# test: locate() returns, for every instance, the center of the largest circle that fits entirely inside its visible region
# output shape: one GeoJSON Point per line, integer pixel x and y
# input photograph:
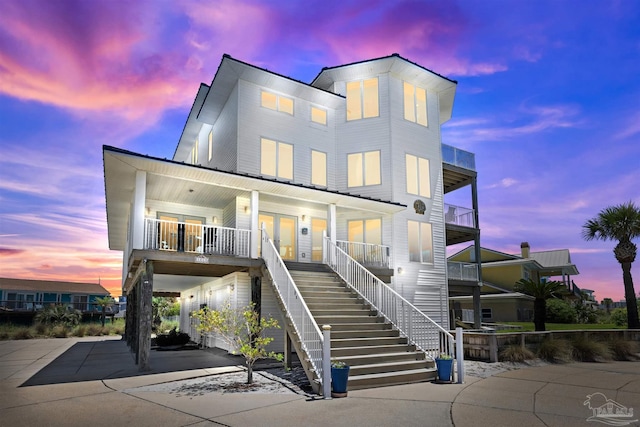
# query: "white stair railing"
{"type": "Point", "coordinates": [310, 336]}
{"type": "Point", "coordinates": [412, 323]}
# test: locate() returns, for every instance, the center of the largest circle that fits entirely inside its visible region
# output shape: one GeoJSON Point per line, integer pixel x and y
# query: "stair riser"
{"type": "Point", "coordinates": [367, 342]}
{"type": "Point", "coordinates": [366, 370]}
{"type": "Point", "coordinates": [361, 351]}
{"type": "Point", "coordinates": [358, 384]}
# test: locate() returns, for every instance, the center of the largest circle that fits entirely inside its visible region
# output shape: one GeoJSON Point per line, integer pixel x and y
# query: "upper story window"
{"type": "Point", "coordinates": [276, 159]}
{"type": "Point", "coordinates": [362, 99]}
{"type": "Point", "coordinates": [210, 145]}
{"type": "Point", "coordinates": [418, 177]}
{"type": "Point", "coordinates": [415, 104]}
{"type": "Point", "coordinates": [363, 169]}
{"type": "Point", "coordinates": [318, 168]}
{"type": "Point", "coordinates": [319, 115]}
{"type": "Point", "coordinates": [420, 242]}
{"type": "Point", "coordinates": [277, 102]}
{"type": "Point", "coordinates": [194, 152]}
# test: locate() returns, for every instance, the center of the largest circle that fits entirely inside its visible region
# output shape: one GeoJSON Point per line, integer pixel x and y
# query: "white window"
{"type": "Point", "coordinates": [420, 242]}
{"type": "Point", "coordinates": [194, 152]}
{"type": "Point", "coordinates": [318, 168]}
{"type": "Point", "coordinates": [363, 169]}
{"type": "Point", "coordinates": [276, 159]}
{"type": "Point", "coordinates": [365, 231]}
{"type": "Point", "coordinates": [418, 178]}
{"type": "Point", "coordinates": [362, 99]}
{"type": "Point", "coordinates": [277, 102]}
{"type": "Point", "coordinates": [210, 145]}
{"type": "Point", "coordinates": [319, 116]}
{"type": "Point", "coordinates": [415, 104]}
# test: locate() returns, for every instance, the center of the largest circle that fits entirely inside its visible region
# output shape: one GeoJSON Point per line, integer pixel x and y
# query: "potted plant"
{"type": "Point", "coordinates": [339, 378]}
{"type": "Point", "coordinates": [444, 364]}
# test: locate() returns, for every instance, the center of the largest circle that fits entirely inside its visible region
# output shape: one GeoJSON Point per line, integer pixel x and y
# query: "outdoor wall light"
{"type": "Point", "coordinates": [304, 218]}
{"type": "Point", "coordinates": [246, 209]}
{"type": "Point", "coordinates": [400, 270]}
{"type": "Point", "coordinates": [215, 219]}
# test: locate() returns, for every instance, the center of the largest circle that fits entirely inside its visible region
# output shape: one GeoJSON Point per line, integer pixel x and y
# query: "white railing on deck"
{"type": "Point", "coordinates": [412, 323]}
{"type": "Point", "coordinates": [459, 215]}
{"type": "Point", "coordinates": [366, 253]}
{"type": "Point", "coordinates": [462, 271]}
{"type": "Point", "coordinates": [309, 334]}
{"type": "Point", "coordinates": [196, 238]}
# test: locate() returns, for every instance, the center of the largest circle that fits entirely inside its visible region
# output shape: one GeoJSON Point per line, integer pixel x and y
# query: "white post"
{"type": "Point", "coordinates": [460, 355]}
{"type": "Point", "coordinates": [326, 361]}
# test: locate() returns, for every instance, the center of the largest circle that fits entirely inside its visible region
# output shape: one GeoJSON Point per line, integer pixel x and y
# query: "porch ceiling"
{"type": "Point", "coordinates": [455, 177]}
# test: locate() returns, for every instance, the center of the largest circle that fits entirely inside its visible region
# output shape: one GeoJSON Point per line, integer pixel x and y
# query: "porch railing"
{"type": "Point", "coordinates": [464, 271]}
{"type": "Point", "coordinates": [305, 326]}
{"type": "Point", "coordinates": [457, 157]}
{"type": "Point", "coordinates": [367, 254]}
{"type": "Point", "coordinates": [196, 238]}
{"type": "Point", "coordinates": [459, 216]}
{"type": "Point", "coordinates": [419, 328]}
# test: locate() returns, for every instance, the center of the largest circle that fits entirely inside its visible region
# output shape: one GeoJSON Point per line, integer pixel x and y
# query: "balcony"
{"type": "Point", "coordinates": [459, 215]}
{"type": "Point", "coordinates": [187, 237]}
{"type": "Point", "coordinates": [462, 271]}
{"type": "Point", "coordinates": [457, 157]}
{"type": "Point", "coordinates": [367, 254]}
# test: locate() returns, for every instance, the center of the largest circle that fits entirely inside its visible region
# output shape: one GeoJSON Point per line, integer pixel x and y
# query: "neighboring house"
{"type": "Point", "coordinates": [501, 271]}
{"type": "Point", "coordinates": [23, 295]}
{"type": "Point", "coordinates": [351, 162]}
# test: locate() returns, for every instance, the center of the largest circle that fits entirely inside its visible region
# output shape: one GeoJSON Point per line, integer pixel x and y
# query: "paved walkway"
{"type": "Point", "coordinates": [96, 383]}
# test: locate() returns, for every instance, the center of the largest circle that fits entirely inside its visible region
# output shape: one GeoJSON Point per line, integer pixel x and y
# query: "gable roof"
{"type": "Point", "coordinates": [51, 286]}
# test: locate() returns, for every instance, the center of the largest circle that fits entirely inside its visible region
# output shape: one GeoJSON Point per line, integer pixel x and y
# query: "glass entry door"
{"type": "Point", "coordinates": [282, 230]}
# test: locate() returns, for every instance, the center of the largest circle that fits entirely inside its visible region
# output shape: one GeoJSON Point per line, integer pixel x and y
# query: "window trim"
{"type": "Point", "coordinates": [278, 102]}
{"type": "Point", "coordinates": [277, 163]}
{"type": "Point", "coordinates": [362, 167]}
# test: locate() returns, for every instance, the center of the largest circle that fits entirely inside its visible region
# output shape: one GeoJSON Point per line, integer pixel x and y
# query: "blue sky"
{"type": "Point", "coordinates": [548, 99]}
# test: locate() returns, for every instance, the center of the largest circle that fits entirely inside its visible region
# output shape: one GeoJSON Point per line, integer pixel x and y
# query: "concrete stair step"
{"type": "Point", "coordinates": [331, 320]}
{"type": "Point", "coordinates": [369, 350]}
{"type": "Point", "coordinates": [350, 327]}
{"type": "Point", "coordinates": [320, 288]}
{"type": "Point", "coordinates": [376, 333]}
{"type": "Point", "coordinates": [344, 311]}
{"type": "Point", "coordinates": [378, 368]}
{"type": "Point", "coordinates": [366, 342]}
{"type": "Point", "coordinates": [372, 359]}
{"type": "Point", "coordinates": [391, 378]}
{"type": "Point", "coordinates": [327, 294]}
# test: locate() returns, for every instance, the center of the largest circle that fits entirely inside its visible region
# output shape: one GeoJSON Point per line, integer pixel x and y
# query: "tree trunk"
{"type": "Point", "coordinates": [539, 313]}
{"type": "Point", "coordinates": [630, 296]}
{"type": "Point", "coordinates": [249, 374]}
{"type": "Point", "coordinates": [103, 315]}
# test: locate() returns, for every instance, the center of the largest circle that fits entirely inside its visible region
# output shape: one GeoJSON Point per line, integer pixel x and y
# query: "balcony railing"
{"type": "Point", "coordinates": [196, 238]}
{"type": "Point", "coordinates": [367, 254]}
{"type": "Point", "coordinates": [459, 216]}
{"type": "Point", "coordinates": [462, 271]}
{"type": "Point", "coordinates": [457, 157]}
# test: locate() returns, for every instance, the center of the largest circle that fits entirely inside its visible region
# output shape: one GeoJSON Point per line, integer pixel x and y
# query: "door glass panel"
{"type": "Point", "coordinates": [193, 235]}
{"type": "Point", "coordinates": [168, 232]}
{"type": "Point", "coordinates": [268, 221]}
{"type": "Point", "coordinates": [287, 238]}
{"type": "Point", "coordinates": [318, 226]}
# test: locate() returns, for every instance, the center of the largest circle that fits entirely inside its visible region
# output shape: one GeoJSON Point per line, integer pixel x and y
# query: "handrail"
{"type": "Point", "coordinates": [412, 323]}
{"type": "Point", "coordinates": [197, 238]}
{"type": "Point", "coordinates": [367, 253]}
{"type": "Point", "coordinates": [308, 331]}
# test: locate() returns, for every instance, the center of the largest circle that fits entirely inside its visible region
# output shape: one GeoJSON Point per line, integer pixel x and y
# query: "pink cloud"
{"type": "Point", "coordinates": [10, 252]}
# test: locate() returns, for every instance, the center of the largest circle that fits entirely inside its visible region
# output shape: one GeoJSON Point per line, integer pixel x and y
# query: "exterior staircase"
{"type": "Point", "coordinates": [376, 353]}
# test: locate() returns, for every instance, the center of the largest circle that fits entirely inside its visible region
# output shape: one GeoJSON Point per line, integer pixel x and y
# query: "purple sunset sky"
{"type": "Point", "coordinates": [548, 99]}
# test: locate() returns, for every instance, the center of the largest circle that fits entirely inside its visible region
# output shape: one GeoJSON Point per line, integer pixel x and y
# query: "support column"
{"type": "Point", "coordinates": [331, 222]}
{"type": "Point", "coordinates": [477, 306]}
{"type": "Point", "coordinates": [145, 317]}
{"type": "Point", "coordinates": [288, 350]}
{"type": "Point", "coordinates": [137, 211]}
{"type": "Point", "coordinates": [255, 227]}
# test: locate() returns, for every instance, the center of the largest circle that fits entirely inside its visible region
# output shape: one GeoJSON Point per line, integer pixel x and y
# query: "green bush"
{"type": "Point", "coordinates": [586, 350]}
{"type": "Point", "coordinates": [166, 326]}
{"type": "Point", "coordinates": [554, 350]}
{"type": "Point", "coordinates": [59, 331]}
{"type": "Point", "coordinates": [516, 353]}
{"type": "Point", "coordinates": [560, 311]}
{"type": "Point", "coordinates": [22, 334]}
{"type": "Point", "coordinates": [58, 315]}
{"type": "Point", "coordinates": [619, 316]}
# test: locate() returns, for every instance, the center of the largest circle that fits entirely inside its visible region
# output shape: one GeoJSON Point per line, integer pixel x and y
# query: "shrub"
{"type": "Point", "coordinates": [172, 338]}
{"type": "Point", "coordinates": [58, 315]}
{"type": "Point", "coordinates": [22, 334]}
{"type": "Point", "coordinates": [586, 350]}
{"type": "Point", "coordinates": [516, 353]}
{"type": "Point", "coordinates": [553, 350]}
{"type": "Point", "coordinates": [619, 316]}
{"type": "Point", "coordinates": [623, 350]}
{"type": "Point", "coordinates": [79, 331]}
{"type": "Point", "coordinates": [560, 311]}
{"type": "Point", "coordinates": [59, 331]}
{"type": "Point", "coordinates": [41, 328]}
{"type": "Point", "coordinates": [166, 326]}
{"type": "Point", "coordinates": [94, 330]}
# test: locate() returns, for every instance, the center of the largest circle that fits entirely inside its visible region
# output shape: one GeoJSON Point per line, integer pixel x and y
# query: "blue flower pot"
{"type": "Point", "coordinates": [445, 369]}
{"type": "Point", "coordinates": [339, 379]}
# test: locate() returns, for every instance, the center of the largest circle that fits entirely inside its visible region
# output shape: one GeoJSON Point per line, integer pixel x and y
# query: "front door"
{"type": "Point", "coordinates": [282, 230]}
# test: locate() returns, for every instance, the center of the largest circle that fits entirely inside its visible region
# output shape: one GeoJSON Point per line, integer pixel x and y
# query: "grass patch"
{"type": "Point", "coordinates": [59, 331]}
{"type": "Point", "coordinates": [554, 350]}
{"type": "Point", "coordinates": [42, 330]}
{"type": "Point", "coordinates": [22, 334]}
{"type": "Point", "coordinates": [516, 353]}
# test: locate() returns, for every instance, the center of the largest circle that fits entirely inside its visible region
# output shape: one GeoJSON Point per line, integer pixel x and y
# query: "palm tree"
{"type": "Point", "coordinates": [620, 223]}
{"type": "Point", "coordinates": [541, 291]}
{"type": "Point", "coordinates": [607, 302]}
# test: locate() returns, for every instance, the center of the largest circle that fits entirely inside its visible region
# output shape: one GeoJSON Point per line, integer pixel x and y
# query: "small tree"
{"type": "Point", "coordinates": [241, 328]}
{"type": "Point", "coordinates": [541, 291]}
{"type": "Point", "coordinates": [608, 303]}
{"type": "Point", "coordinates": [103, 303]}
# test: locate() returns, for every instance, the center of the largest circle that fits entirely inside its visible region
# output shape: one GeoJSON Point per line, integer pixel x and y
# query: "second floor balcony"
{"type": "Point", "coordinates": [462, 271]}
